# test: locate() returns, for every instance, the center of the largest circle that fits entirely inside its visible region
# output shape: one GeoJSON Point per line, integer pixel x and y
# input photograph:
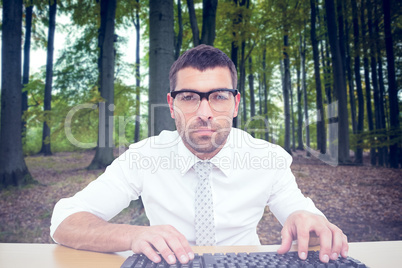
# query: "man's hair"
{"type": "Point", "coordinates": [202, 57]}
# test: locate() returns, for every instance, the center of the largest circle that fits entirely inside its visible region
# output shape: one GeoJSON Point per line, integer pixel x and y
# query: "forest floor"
{"type": "Point", "coordinates": [364, 201]}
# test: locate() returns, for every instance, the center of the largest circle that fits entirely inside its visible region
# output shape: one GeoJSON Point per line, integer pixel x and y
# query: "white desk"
{"type": "Point", "coordinates": [373, 254]}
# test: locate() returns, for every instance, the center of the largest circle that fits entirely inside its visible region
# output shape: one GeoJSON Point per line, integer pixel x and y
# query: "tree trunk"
{"type": "Point", "coordinates": [264, 82]}
{"type": "Point", "coordinates": [331, 111]}
{"type": "Point", "coordinates": [299, 108]}
{"type": "Point", "coordinates": [235, 48]}
{"type": "Point", "coordinates": [193, 22]}
{"type": "Point", "coordinates": [161, 57]}
{"type": "Point", "coordinates": [368, 88]}
{"type": "Point", "coordinates": [233, 55]}
{"type": "Point", "coordinates": [304, 88]}
{"type": "Point", "coordinates": [321, 137]}
{"type": "Point", "coordinates": [376, 93]}
{"type": "Point", "coordinates": [104, 151]}
{"type": "Point", "coordinates": [179, 38]}
{"type": "Point", "coordinates": [332, 134]}
{"type": "Point", "coordinates": [46, 150]}
{"type": "Point", "coordinates": [392, 86]}
{"type": "Point", "coordinates": [25, 75]}
{"type": "Point", "coordinates": [138, 76]}
{"type": "Point", "coordinates": [382, 90]}
{"type": "Point", "coordinates": [339, 85]}
{"type": "Point", "coordinates": [360, 98]}
{"type": "Point", "coordinates": [292, 115]}
{"type": "Point", "coordinates": [208, 23]}
{"type": "Point", "coordinates": [285, 87]}
{"type": "Point", "coordinates": [242, 80]}
{"type": "Point", "coordinates": [261, 124]}
{"type": "Point", "coordinates": [260, 94]}
{"type": "Point", "coordinates": [251, 86]}
{"type": "Point", "coordinates": [13, 170]}
{"type": "Point", "coordinates": [348, 64]}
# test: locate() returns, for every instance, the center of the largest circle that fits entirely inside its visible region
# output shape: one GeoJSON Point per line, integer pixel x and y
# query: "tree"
{"type": "Point", "coordinates": [339, 84]}
{"type": "Point", "coordinates": [392, 86]}
{"type": "Point", "coordinates": [46, 150]}
{"type": "Point", "coordinates": [302, 48]}
{"type": "Point", "coordinates": [251, 87]}
{"type": "Point", "coordinates": [161, 57]}
{"type": "Point", "coordinates": [25, 75]}
{"type": "Point", "coordinates": [13, 170]}
{"type": "Point", "coordinates": [236, 24]}
{"type": "Point", "coordinates": [104, 150]}
{"type": "Point", "coordinates": [208, 22]}
{"type": "Point", "coordinates": [286, 89]}
{"type": "Point", "coordinates": [299, 105]}
{"type": "Point", "coordinates": [264, 83]}
{"type": "Point", "coordinates": [348, 68]}
{"type": "Point", "coordinates": [376, 93]}
{"type": "Point", "coordinates": [179, 37]}
{"type": "Point", "coordinates": [321, 137]}
{"type": "Point", "coordinates": [359, 90]}
{"type": "Point", "coordinates": [367, 81]}
{"type": "Point", "coordinates": [137, 75]}
{"type": "Point", "coordinates": [379, 45]}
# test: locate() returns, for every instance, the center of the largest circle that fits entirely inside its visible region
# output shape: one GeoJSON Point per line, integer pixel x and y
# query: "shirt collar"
{"type": "Point", "coordinates": [223, 160]}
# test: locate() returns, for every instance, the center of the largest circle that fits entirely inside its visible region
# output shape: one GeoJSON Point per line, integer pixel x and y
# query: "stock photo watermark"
{"type": "Point", "coordinates": [185, 128]}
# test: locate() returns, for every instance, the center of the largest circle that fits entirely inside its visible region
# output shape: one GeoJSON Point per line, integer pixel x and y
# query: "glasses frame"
{"type": "Point", "coordinates": [203, 95]}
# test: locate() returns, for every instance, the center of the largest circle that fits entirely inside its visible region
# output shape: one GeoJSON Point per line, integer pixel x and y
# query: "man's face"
{"type": "Point", "coordinates": [203, 131]}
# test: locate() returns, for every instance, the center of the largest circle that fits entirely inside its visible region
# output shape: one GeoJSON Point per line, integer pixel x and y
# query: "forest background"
{"type": "Point", "coordinates": [320, 78]}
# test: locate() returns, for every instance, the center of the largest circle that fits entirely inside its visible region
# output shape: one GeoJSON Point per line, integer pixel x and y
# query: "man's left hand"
{"type": "Point", "coordinates": [300, 224]}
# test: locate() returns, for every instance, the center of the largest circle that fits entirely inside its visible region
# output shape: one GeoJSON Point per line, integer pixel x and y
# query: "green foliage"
{"type": "Point", "coordinates": [84, 122]}
{"type": "Point", "coordinates": [376, 138]}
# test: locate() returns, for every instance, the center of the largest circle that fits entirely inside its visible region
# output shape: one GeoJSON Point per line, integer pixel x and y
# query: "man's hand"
{"type": "Point", "coordinates": [83, 230]}
{"type": "Point", "coordinates": [164, 239]}
{"type": "Point", "coordinates": [300, 224]}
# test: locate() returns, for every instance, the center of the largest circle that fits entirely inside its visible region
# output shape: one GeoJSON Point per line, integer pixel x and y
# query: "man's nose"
{"type": "Point", "coordinates": [204, 110]}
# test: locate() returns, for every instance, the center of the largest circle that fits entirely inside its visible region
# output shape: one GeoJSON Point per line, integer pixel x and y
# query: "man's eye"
{"type": "Point", "coordinates": [187, 97]}
{"type": "Point", "coordinates": [220, 96]}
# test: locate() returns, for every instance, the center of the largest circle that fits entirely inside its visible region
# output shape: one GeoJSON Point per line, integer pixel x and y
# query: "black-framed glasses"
{"type": "Point", "coordinates": [220, 100]}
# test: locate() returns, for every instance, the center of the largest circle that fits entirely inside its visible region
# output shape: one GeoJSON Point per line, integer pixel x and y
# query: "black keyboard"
{"type": "Point", "coordinates": [246, 260]}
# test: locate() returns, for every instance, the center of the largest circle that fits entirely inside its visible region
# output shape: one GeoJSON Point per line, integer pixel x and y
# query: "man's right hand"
{"type": "Point", "coordinates": [83, 230]}
{"type": "Point", "coordinates": [166, 240]}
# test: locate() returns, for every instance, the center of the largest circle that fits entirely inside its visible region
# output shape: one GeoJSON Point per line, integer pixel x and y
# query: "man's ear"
{"type": "Point", "coordinates": [237, 102]}
{"type": "Point", "coordinates": [170, 102]}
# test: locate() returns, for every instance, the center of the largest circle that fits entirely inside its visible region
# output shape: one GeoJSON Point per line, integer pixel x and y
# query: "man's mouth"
{"type": "Point", "coordinates": [203, 131]}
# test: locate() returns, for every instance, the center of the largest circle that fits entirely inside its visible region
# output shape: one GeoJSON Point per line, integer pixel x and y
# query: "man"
{"type": "Point", "coordinates": [239, 176]}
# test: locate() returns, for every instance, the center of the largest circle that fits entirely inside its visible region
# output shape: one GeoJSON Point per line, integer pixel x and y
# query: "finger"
{"type": "Point", "coordinates": [303, 236]}
{"type": "Point", "coordinates": [186, 246]}
{"type": "Point", "coordinates": [160, 245]}
{"type": "Point", "coordinates": [345, 246]}
{"type": "Point", "coordinates": [325, 235]}
{"type": "Point", "coordinates": [337, 243]}
{"type": "Point", "coordinates": [178, 249]}
{"type": "Point", "coordinates": [148, 251]}
{"type": "Point", "coordinates": [287, 240]}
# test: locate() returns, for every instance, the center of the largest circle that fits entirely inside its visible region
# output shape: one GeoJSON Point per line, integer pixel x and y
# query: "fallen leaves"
{"type": "Point", "coordinates": [364, 201]}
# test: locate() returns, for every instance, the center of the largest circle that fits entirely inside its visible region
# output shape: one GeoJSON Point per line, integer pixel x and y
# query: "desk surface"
{"type": "Point", "coordinates": [373, 254]}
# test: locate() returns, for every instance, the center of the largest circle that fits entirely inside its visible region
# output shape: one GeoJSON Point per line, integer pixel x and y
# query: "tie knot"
{"type": "Point", "coordinates": [203, 169]}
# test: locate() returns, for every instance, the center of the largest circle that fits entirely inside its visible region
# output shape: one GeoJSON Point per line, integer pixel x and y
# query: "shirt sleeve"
{"type": "Point", "coordinates": [286, 196]}
{"type": "Point", "coordinates": [104, 197]}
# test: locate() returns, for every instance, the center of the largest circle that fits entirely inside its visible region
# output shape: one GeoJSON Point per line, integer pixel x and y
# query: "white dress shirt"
{"type": "Point", "coordinates": [248, 174]}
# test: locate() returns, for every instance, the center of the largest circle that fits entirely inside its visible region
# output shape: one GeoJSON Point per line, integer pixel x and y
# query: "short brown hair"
{"type": "Point", "coordinates": [202, 57]}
